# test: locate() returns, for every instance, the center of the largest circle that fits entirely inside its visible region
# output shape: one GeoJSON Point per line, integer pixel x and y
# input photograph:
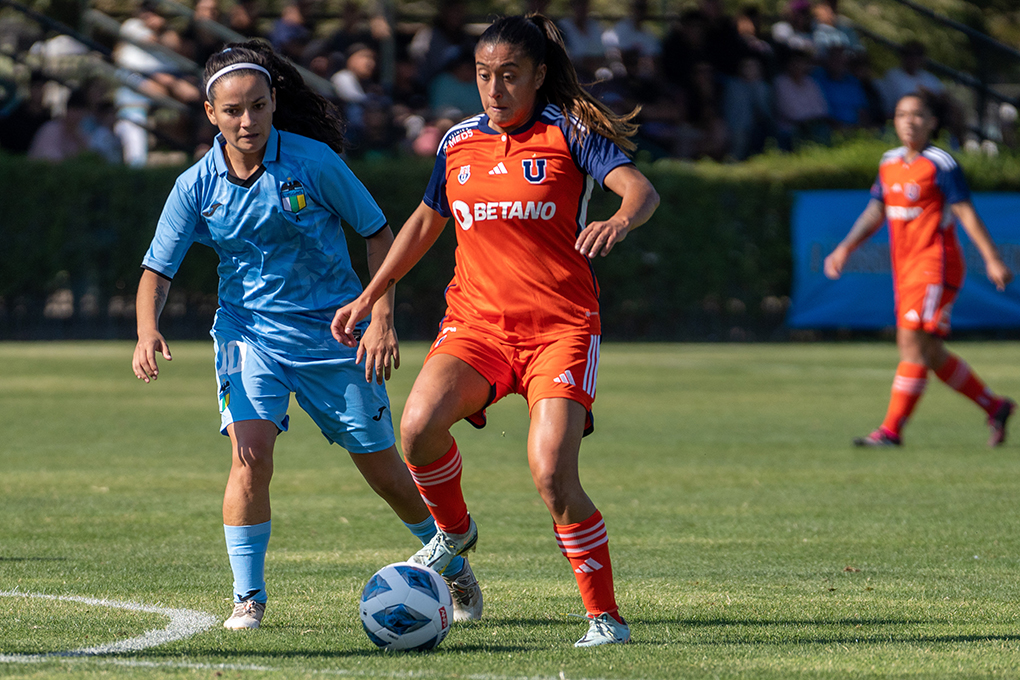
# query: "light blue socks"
{"type": "Point", "coordinates": [246, 547]}
{"type": "Point", "coordinates": [425, 530]}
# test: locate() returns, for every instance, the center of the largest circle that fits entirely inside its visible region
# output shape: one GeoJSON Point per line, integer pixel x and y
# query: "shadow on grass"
{"type": "Point", "coordinates": [256, 658]}
{"type": "Point", "coordinates": [32, 559]}
{"type": "Point", "coordinates": [846, 631]}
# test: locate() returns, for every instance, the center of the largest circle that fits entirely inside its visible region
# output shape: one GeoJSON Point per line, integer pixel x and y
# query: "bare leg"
{"type": "Point", "coordinates": [246, 499]}
{"type": "Point", "coordinates": [554, 443]}
{"type": "Point", "coordinates": [386, 473]}
{"type": "Point", "coordinates": [446, 390]}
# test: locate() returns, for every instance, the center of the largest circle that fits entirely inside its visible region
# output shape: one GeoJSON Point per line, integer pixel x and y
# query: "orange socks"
{"type": "Point", "coordinates": [586, 547]}
{"type": "Point", "coordinates": [439, 486]}
{"type": "Point", "coordinates": [907, 389]}
{"type": "Point", "coordinates": [957, 374]}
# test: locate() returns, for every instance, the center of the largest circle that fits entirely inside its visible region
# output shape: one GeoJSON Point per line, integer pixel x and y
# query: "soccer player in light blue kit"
{"type": "Point", "coordinates": [269, 198]}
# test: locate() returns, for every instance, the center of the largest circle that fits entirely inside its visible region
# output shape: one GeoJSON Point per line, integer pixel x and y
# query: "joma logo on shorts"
{"type": "Point", "coordinates": [501, 210]}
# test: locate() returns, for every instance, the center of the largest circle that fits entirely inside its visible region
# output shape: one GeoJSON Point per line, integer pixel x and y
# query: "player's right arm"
{"type": "Point", "coordinates": [152, 293]}
{"type": "Point", "coordinates": [412, 242]}
{"type": "Point", "coordinates": [867, 224]}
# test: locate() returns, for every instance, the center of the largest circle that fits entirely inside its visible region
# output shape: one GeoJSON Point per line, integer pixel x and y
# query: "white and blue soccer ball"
{"type": "Point", "coordinates": [406, 606]}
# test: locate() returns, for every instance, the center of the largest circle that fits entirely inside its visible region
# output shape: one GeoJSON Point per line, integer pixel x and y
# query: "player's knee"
{"type": "Point", "coordinates": [556, 490]}
{"type": "Point", "coordinates": [417, 428]}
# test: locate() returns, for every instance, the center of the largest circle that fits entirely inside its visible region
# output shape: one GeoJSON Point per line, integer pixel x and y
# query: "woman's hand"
{"type": "Point", "coordinates": [345, 320]}
{"type": "Point", "coordinates": [380, 350]}
{"type": "Point", "coordinates": [835, 262]}
{"type": "Point", "coordinates": [998, 273]}
{"type": "Point", "coordinates": [143, 362]}
{"type": "Point", "coordinates": [598, 238]}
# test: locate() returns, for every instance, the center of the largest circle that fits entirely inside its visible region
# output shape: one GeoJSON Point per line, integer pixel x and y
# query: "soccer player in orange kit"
{"type": "Point", "coordinates": [920, 190]}
{"type": "Point", "coordinates": [522, 309]}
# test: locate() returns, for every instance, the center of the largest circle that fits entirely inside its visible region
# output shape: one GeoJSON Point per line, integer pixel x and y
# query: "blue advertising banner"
{"type": "Point", "coordinates": [863, 297]}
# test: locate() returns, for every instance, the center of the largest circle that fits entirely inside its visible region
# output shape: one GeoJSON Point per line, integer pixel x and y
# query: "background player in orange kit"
{"type": "Point", "coordinates": [522, 309]}
{"type": "Point", "coordinates": [919, 190]}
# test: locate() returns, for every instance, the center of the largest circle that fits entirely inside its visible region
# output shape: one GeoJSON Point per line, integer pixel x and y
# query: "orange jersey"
{"type": "Point", "coordinates": [922, 234]}
{"type": "Point", "coordinates": [519, 200]}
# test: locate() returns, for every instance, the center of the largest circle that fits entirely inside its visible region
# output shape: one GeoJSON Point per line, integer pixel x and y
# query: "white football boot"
{"type": "Point", "coordinates": [467, 595]}
{"type": "Point", "coordinates": [440, 551]}
{"type": "Point", "coordinates": [604, 630]}
{"type": "Point", "coordinates": [247, 615]}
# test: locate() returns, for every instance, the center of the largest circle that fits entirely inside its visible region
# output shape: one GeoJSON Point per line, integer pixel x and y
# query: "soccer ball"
{"type": "Point", "coordinates": [406, 606]}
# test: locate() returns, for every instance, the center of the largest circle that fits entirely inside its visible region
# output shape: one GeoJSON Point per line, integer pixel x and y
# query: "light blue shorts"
{"type": "Point", "coordinates": [255, 384]}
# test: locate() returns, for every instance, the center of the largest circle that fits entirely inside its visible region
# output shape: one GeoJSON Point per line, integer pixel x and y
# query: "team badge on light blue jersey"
{"type": "Point", "coordinates": [292, 195]}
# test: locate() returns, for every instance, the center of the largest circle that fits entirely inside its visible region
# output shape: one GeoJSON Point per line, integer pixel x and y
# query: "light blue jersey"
{"type": "Point", "coordinates": [284, 266]}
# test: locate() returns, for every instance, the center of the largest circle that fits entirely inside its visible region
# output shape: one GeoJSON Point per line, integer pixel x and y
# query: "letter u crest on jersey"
{"type": "Point", "coordinates": [465, 174]}
{"type": "Point", "coordinates": [912, 191]}
{"type": "Point", "coordinates": [534, 170]}
{"type": "Point", "coordinates": [292, 196]}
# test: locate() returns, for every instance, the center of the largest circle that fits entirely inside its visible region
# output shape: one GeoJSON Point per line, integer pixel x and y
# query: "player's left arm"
{"type": "Point", "coordinates": [639, 202]}
{"type": "Point", "coordinates": [998, 272]}
{"type": "Point", "coordinates": [379, 346]}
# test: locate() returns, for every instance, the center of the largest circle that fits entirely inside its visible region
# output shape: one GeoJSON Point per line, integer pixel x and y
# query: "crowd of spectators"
{"type": "Point", "coordinates": [709, 84]}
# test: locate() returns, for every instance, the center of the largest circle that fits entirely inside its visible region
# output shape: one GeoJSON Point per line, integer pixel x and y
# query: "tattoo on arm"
{"type": "Point", "coordinates": [159, 297]}
{"type": "Point", "coordinates": [391, 283]}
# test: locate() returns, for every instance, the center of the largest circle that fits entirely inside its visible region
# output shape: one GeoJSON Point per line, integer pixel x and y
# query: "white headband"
{"type": "Point", "coordinates": [228, 69]}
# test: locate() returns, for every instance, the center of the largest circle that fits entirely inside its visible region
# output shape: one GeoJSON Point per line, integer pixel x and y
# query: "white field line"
{"type": "Point", "coordinates": [340, 672]}
{"type": "Point", "coordinates": [183, 624]}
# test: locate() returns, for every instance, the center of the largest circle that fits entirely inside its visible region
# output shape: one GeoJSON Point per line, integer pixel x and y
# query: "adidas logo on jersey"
{"type": "Point", "coordinates": [566, 378]}
{"type": "Point", "coordinates": [588, 566]}
{"type": "Point", "coordinates": [500, 169]}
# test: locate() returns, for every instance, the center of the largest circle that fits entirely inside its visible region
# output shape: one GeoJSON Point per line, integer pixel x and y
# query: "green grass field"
{"type": "Point", "coordinates": [749, 538]}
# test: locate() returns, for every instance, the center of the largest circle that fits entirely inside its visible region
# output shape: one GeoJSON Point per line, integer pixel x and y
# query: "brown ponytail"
{"type": "Point", "coordinates": [540, 39]}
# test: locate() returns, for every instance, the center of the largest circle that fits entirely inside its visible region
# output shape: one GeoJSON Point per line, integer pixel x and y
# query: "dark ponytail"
{"type": "Point", "coordinates": [540, 39]}
{"type": "Point", "coordinates": [299, 109]}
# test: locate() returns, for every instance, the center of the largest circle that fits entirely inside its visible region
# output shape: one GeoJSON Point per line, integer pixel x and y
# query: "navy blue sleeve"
{"type": "Point", "coordinates": [952, 184]}
{"type": "Point", "coordinates": [876, 190]}
{"type": "Point", "coordinates": [435, 192]}
{"type": "Point", "coordinates": [594, 154]}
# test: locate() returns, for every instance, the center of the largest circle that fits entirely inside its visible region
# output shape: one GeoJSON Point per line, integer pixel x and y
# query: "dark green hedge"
{"type": "Point", "coordinates": [714, 261]}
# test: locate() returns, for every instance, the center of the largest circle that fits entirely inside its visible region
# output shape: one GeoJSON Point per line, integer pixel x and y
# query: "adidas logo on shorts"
{"type": "Point", "coordinates": [566, 377]}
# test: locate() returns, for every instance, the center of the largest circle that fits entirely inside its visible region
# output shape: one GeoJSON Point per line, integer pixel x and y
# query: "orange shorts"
{"type": "Point", "coordinates": [566, 367]}
{"type": "Point", "coordinates": [925, 306]}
